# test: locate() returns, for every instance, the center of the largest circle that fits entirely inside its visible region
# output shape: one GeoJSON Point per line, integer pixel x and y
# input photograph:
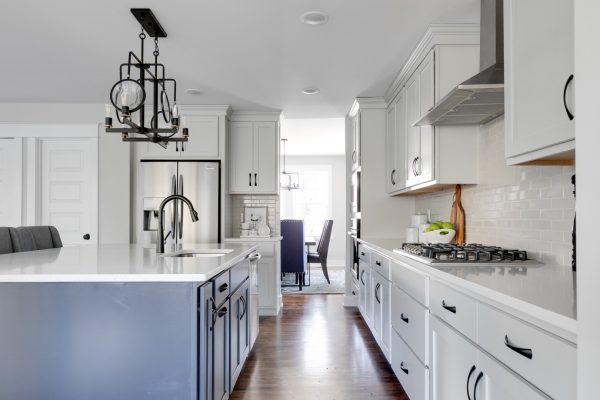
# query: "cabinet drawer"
{"type": "Point", "coordinates": [363, 253]}
{"type": "Point", "coordinates": [238, 274]}
{"type": "Point", "coordinates": [221, 288]}
{"type": "Point", "coordinates": [411, 281]}
{"type": "Point", "coordinates": [457, 309]}
{"type": "Point", "coordinates": [552, 365]}
{"type": "Point", "coordinates": [354, 289]}
{"type": "Point", "coordinates": [381, 264]}
{"type": "Point", "coordinates": [411, 320]}
{"type": "Point", "coordinates": [413, 375]}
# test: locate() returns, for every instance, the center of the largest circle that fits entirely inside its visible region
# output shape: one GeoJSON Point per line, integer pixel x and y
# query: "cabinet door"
{"type": "Point", "coordinates": [362, 291]}
{"type": "Point", "coordinates": [369, 297]}
{"type": "Point", "coordinates": [376, 301]}
{"type": "Point", "coordinates": [253, 303]}
{"type": "Point", "coordinates": [220, 361]}
{"type": "Point", "coordinates": [425, 164]}
{"type": "Point", "coordinates": [499, 383]}
{"type": "Point", "coordinates": [235, 356]}
{"type": "Point", "coordinates": [69, 188]}
{"type": "Point", "coordinates": [266, 144]}
{"type": "Point", "coordinates": [204, 137]}
{"type": "Point", "coordinates": [413, 147]}
{"type": "Point", "coordinates": [391, 176]}
{"type": "Point", "coordinates": [355, 156]}
{"type": "Point", "coordinates": [453, 360]}
{"type": "Point", "coordinates": [539, 62]}
{"type": "Point", "coordinates": [10, 181]}
{"type": "Point", "coordinates": [244, 321]}
{"type": "Point", "coordinates": [400, 140]}
{"type": "Point", "coordinates": [240, 157]}
{"type": "Point", "coordinates": [386, 323]}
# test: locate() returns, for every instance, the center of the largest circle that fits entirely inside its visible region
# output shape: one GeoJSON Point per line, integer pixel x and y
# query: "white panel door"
{"type": "Point", "coordinates": [539, 61]}
{"type": "Point", "coordinates": [425, 164]}
{"type": "Point", "coordinates": [452, 365]}
{"type": "Point", "coordinates": [265, 174]}
{"type": "Point", "coordinates": [413, 147]}
{"type": "Point", "coordinates": [10, 181]}
{"type": "Point", "coordinates": [204, 137]}
{"type": "Point", "coordinates": [400, 140]}
{"type": "Point", "coordinates": [391, 175]}
{"type": "Point", "coordinates": [69, 188]}
{"type": "Point", "coordinates": [241, 155]}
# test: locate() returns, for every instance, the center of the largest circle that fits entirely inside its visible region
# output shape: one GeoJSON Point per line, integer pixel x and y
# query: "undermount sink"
{"type": "Point", "coordinates": [200, 253]}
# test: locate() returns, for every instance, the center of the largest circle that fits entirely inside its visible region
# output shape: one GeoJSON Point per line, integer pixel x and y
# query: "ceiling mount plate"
{"type": "Point", "coordinates": [146, 18]}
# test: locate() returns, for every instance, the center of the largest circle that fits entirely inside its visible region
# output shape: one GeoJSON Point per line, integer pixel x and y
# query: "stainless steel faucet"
{"type": "Point", "coordinates": [160, 243]}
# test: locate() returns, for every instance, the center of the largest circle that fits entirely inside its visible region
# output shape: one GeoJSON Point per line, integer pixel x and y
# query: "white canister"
{"type": "Point", "coordinates": [422, 238]}
{"type": "Point", "coordinates": [418, 219]}
{"type": "Point", "coordinates": [412, 235]}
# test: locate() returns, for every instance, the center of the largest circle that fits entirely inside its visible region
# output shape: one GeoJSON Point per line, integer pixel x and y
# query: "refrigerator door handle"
{"type": "Point", "coordinates": [180, 216]}
{"type": "Point", "coordinates": [174, 206]}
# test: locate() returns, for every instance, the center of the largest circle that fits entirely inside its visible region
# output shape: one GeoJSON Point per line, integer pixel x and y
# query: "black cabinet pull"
{"type": "Point", "coordinates": [376, 291]}
{"type": "Point", "coordinates": [452, 309]}
{"type": "Point", "coordinates": [569, 113]}
{"type": "Point", "coordinates": [477, 383]}
{"type": "Point", "coordinates": [213, 309]}
{"type": "Point", "coordinates": [404, 318]}
{"type": "Point", "coordinates": [255, 179]}
{"type": "Point", "coordinates": [392, 177]}
{"type": "Point", "coordinates": [528, 353]}
{"type": "Point", "coordinates": [404, 369]}
{"type": "Point", "coordinates": [86, 236]}
{"type": "Point", "coordinates": [414, 171]}
{"type": "Point", "coordinates": [245, 307]}
{"type": "Point", "coordinates": [223, 287]}
{"type": "Point", "coordinates": [222, 312]}
{"type": "Point", "coordinates": [353, 293]}
{"type": "Point", "coordinates": [468, 380]}
{"type": "Point", "coordinates": [418, 166]}
{"type": "Point", "coordinates": [362, 277]}
{"type": "Point", "coordinates": [249, 177]}
{"type": "Point", "coordinates": [378, 263]}
{"type": "Point", "coordinates": [362, 253]}
{"type": "Point", "coordinates": [354, 157]}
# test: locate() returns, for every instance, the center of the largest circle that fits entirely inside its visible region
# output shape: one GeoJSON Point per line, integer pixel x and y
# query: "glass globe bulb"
{"type": "Point", "coordinates": [129, 94]}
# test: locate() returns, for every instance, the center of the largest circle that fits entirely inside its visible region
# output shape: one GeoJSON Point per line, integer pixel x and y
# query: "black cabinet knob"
{"type": "Point", "coordinates": [86, 236]}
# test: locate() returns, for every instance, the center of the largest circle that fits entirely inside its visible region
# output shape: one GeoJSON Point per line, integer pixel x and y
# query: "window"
{"type": "Point", "coordinates": [313, 201]}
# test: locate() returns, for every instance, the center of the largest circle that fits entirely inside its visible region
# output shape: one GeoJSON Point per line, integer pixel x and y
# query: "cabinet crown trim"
{"type": "Point", "coordinates": [247, 116]}
{"type": "Point", "coordinates": [366, 103]}
{"type": "Point", "coordinates": [436, 34]}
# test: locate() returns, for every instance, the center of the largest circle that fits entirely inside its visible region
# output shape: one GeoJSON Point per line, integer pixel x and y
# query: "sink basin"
{"type": "Point", "coordinates": [200, 253]}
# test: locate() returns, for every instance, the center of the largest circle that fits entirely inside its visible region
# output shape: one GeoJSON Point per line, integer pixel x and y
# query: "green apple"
{"type": "Point", "coordinates": [447, 225]}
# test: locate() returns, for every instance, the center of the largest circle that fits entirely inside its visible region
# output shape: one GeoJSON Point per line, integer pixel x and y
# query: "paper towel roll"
{"type": "Point", "coordinates": [422, 238]}
{"type": "Point", "coordinates": [412, 235]}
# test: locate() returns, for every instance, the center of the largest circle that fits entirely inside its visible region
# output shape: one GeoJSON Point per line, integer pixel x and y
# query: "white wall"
{"type": "Point", "coordinates": [314, 136]}
{"type": "Point", "coordinates": [113, 159]}
{"type": "Point", "coordinates": [525, 207]}
{"type": "Point", "coordinates": [587, 121]}
{"type": "Point", "coordinates": [337, 246]}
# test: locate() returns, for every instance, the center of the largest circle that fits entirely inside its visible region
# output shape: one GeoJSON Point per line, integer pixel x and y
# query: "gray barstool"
{"type": "Point", "coordinates": [8, 239]}
{"type": "Point", "coordinates": [31, 238]}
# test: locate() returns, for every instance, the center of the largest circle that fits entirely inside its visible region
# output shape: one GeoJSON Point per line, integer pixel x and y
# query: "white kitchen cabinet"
{"type": "Point", "coordinates": [380, 322]}
{"type": "Point", "coordinates": [395, 143]}
{"type": "Point", "coordinates": [254, 157]}
{"type": "Point", "coordinates": [356, 137]}
{"type": "Point", "coordinates": [204, 140]}
{"type": "Point", "coordinates": [11, 181]}
{"type": "Point", "coordinates": [376, 300]}
{"type": "Point", "coordinates": [390, 149]}
{"type": "Point", "coordinates": [453, 363]}
{"type": "Point", "coordinates": [539, 62]}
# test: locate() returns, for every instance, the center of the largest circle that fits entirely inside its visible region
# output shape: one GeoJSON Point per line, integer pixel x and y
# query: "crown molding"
{"type": "Point", "coordinates": [253, 116]}
{"type": "Point", "coordinates": [365, 103]}
{"type": "Point", "coordinates": [436, 35]}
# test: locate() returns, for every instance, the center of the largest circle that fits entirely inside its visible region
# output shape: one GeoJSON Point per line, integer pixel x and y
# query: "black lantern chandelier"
{"type": "Point", "coordinates": [128, 96]}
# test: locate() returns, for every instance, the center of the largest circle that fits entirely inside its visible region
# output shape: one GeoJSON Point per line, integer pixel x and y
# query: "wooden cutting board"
{"type": "Point", "coordinates": [457, 217]}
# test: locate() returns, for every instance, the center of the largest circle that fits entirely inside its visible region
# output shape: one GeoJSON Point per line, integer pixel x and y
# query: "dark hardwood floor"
{"type": "Point", "coordinates": [316, 349]}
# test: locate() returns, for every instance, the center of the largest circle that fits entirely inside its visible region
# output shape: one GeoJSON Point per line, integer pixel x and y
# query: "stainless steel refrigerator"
{"type": "Point", "coordinates": [199, 181]}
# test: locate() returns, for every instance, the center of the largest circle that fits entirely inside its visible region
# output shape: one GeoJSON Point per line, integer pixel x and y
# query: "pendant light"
{"type": "Point", "coordinates": [289, 180]}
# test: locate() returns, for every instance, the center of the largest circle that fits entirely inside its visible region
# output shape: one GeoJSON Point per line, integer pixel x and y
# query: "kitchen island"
{"type": "Point", "coordinates": [121, 322]}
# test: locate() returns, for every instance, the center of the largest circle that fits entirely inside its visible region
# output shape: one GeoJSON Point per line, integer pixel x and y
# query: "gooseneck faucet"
{"type": "Point", "coordinates": [160, 243]}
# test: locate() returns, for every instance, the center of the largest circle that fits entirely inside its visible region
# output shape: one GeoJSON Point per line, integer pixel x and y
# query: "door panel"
{"type": "Point", "coordinates": [204, 137]}
{"type": "Point", "coordinates": [221, 354]}
{"type": "Point", "coordinates": [427, 99]}
{"type": "Point", "coordinates": [391, 176]}
{"type": "Point", "coordinates": [199, 182]}
{"type": "Point", "coordinates": [412, 132]}
{"type": "Point", "coordinates": [241, 153]}
{"type": "Point", "coordinates": [69, 188]}
{"type": "Point", "coordinates": [400, 140]}
{"type": "Point", "coordinates": [11, 179]}
{"type": "Point", "coordinates": [265, 174]}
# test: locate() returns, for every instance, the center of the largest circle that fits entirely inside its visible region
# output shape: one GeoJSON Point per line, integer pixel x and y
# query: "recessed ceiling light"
{"type": "Point", "coordinates": [193, 91]}
{"type": "Point", "coordinates": [310, 91]}
{"type": "Point", "coordinates": [314, 18]}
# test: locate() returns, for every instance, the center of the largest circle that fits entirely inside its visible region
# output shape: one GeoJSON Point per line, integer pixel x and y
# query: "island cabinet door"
{"type": "Point", "coordinates": [239, 332]}
{"type": "Point", "coordinates": [220, 359]}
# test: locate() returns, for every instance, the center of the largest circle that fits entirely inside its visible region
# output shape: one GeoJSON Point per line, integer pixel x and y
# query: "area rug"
{"type": "Point", "coordinates": [318, 283]}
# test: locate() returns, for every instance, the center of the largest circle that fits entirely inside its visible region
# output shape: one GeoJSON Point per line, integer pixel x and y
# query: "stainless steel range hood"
{"type": "Point", "coordinates": [479, 99]}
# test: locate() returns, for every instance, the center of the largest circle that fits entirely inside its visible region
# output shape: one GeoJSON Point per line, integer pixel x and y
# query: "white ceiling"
{"type": "Point", "coordinates": [254, 55]}
{"type": "Point", "coordinates": [314, 136]}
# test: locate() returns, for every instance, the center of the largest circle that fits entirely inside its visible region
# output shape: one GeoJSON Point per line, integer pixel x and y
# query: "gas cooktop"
{"type": "Point", "coordinates": [463, 254]}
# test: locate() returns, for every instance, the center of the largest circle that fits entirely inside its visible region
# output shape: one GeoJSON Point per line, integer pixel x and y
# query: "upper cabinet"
{"type": "Point", "coordinates": [425, 158]}
{"type": "Point", "coordinates": [207, 127]}
{"type": "Point", "coordinates": [539, 81]}
{"type": "Point", "coordinates": [254, 154]}
{"type": "Point", "coordinates": [355, 156]}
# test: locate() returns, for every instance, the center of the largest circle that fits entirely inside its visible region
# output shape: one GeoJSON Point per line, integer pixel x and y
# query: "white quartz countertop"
{"type": "Point", "coordinates": [543, 292]}
{"type": "Point", "coordinates": [119, 263]}
{"type": "Point", "coordinates": [252, 239]}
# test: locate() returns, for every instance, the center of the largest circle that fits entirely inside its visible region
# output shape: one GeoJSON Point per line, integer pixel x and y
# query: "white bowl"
{"type": "Point", "coordinates": [440, 236]}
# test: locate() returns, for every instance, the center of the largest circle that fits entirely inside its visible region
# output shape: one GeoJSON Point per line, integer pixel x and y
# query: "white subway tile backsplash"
{"type": "Point", "coordinates": [525, 207]}
{"type": "Point", "coordinates": [240, 201]}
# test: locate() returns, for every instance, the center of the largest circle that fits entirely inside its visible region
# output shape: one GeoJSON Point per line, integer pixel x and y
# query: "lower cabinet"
{"type": "Point", "coordinates": [409, 370]}
{"type": "Point", "coordinates": [380, 322]}
{"type": "Point", "coordinates": [459, 369]}
{"type": "Point", "coordinates": [220, 353]}
{"type": "Point", "coordinates": [364, 290]}
{"type": "Point", "coordinates": [239, 331]}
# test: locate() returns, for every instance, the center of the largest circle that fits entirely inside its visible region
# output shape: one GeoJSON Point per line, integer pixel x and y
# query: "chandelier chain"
{"type": "Point", "coordinates": [156, 52]}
